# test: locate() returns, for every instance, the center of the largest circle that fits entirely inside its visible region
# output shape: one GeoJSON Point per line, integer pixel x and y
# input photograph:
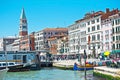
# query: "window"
{"type": "Point", "coordinates": [16, 57]}
{"type": "Point", "coordinates": [93, 28]}
{"type": "Point", "coordinates": [116, 22]}
{"type": "Point", "coordinates": [88, 29]}
{"type": "Point", "coordinates": [4, 64]}
{"type": "Point", "coordinates": [0, 55]}
{"type": "Point", "coordinates": [11, 63]}
{"type": "Point", "coordinates": [112, 23]}
{"type": "Point", "coordinates": [88, 23]}
{"type": "Point", "coordinates": [113, 46]}
{"type": "Point", "coordinates": [98, 20]}
{"type": "Point", "coordinates": [117, 38]}
{"type": "Point", "coordinates": [113, 30]}
{"type": "Point", "coordinates": [24, 26]}
{"type": "Point", "coordinates": [93, 21]}
{"type": "Point", "coordinates": [113, 38]}
{"type": "Point", "coordinates": [93, 37]}
{"type": "Point", "coordinates": [98, 36]}
{"type": "Point", "coordinates": [98, 27]}
{"type": "Point", "coordinates": [98, 46]}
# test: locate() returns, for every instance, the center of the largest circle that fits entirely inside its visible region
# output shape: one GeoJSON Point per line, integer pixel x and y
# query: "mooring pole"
{"type": "Point", "coordinates": [85, 56]}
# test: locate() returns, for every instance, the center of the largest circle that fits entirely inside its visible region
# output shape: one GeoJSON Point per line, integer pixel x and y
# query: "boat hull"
{"type": "Point", "coordinates": [82, 68]}
{"type": "Point", "coordinates": [17, 68]}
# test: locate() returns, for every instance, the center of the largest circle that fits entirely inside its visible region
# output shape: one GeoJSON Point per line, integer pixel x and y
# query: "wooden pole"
{"type": "Point", "coordinates": [85, 63]}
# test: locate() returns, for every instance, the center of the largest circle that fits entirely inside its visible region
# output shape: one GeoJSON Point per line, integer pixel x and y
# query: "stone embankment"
{"type": "Point", "coordinates": [115, 72]}
{"type": "Point", "coordinates": [68, 64]}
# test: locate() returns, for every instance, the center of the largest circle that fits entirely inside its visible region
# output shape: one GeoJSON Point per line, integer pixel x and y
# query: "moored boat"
{"type": "Point", "coordinates": [3, 73]}
{"type": "Point", "coordinates": [13, 67]}
{"type": "Point", "coordinates": [81, 68]}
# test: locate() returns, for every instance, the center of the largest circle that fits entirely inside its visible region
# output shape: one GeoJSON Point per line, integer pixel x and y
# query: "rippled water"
{"type": "Point", "coordinates": [50, 74]}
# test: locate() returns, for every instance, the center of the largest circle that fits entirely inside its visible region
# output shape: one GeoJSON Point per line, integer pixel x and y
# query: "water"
{"type": "Point", "coordinates": [50, 74]}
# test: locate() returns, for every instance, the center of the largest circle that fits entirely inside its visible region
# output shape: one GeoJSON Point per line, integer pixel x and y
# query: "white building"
{"type": "Point", "coordinates": [16, 45]}
{"type": "Point", "coordinates": [73, 36]}
{"type": "Point", "coordinates": [77, 37]}
{"type": "Point", "coordinates": [4, 42]}
{"type": "Point", "coordinates": [116, 31]}
{"type": "Point", "coordinates": [82, 30]}
{"type": "Point", "coordinates": [39, 40]}
{"type": "Point", "coordinates": [41, 37]}
{"type": "Point", "coordinates": [93, 32]}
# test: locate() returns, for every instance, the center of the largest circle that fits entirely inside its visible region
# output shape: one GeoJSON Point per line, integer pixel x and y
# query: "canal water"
{"type": "Point", "coordinates": [50, 74]}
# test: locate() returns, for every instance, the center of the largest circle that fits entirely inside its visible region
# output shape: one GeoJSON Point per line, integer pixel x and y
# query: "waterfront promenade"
{"type": "Point", "coordinates": [108, 71]}
{"type": "Point", "coordinates": [70, 63]}
{"type": "Point", "coordinates": [115, 72]}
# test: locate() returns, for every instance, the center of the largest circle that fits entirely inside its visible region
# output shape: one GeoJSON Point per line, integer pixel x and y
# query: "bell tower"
{"type": "Point", "coordinates": [23, 30]}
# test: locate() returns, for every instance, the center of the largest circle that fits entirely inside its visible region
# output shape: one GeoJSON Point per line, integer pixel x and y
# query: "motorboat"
{"type": "Point", "coordinates": [13, 67]}
{"type": "Point", "coordinates": [3, 73]}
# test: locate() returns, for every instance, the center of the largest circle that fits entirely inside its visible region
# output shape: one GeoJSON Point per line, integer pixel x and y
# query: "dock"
{"type": "Point", "coordinates": [107, 72]}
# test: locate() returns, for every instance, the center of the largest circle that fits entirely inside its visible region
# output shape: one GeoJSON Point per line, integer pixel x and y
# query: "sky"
{"type": "Point", "coordinates": [43, 14]}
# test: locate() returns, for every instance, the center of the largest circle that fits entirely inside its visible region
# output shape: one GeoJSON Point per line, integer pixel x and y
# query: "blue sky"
{"type": "Point", "coordinates": [47, 13]}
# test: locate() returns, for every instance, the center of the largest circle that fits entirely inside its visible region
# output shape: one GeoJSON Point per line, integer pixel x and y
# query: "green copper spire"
{"type": "Point", "coordinates": [23, 14]}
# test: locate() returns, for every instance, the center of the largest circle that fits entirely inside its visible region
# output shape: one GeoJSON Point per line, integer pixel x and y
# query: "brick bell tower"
{"type": "Point", "coordinates": [23, 30]}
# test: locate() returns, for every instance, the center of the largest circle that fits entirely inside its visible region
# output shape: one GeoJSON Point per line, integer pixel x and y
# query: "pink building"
{"type": "Point", "coordinates": [106, 28]}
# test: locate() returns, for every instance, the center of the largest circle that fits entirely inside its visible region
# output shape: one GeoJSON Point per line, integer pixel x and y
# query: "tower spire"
{"type": "Point", "coordinates": [22, 16]}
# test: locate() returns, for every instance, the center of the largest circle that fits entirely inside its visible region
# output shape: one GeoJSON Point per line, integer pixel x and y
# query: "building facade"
{"type": "Point", "coordinates": [41, 37]}
{"type": "Point", "coordinates": [27, 43]}
{"type": "Point", "coordinates": [58, 44]}
{"type": "Point", "coordinates": [5, 43]}
{"type": "Point", "coordinates": [116, 31]}
{"type": "Point", "coordinates": [94, 33]}
{"type": "Point", "coordinates": [106, 24]}
{"type": "Point", "coordinates": [85, 34]}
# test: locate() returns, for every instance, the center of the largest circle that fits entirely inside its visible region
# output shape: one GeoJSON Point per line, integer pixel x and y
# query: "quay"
{"type": "Point", "coordinates": [68, 64]}
{"type": "Point", "coordinates": [100, 71]}
{"type": "Point", "coordinates": [107, 72]}
{"type": "Point", "coordinates": [64, 64]}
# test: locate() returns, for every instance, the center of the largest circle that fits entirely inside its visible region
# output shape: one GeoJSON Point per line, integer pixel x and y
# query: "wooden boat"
{"type": "Point", "coordinates": [3, 73]}
{"type": "Point", "coordinates": [81, 68]}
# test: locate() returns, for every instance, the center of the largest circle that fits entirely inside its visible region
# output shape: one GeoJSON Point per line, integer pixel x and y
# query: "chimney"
{"type": "Point", "coordinates": [107, 10]}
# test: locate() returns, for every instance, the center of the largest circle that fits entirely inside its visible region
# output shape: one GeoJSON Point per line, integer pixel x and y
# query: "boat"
{"type": "Point", "coordinates": [3, 73]}
{"type": "Point", "coordinates": [82, 68]}
{"type": "Point", "coordinates": [13, 67]}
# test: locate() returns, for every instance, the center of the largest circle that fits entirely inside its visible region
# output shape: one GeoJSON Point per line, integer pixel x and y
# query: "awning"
{"type": "Point", "coordinates": [106, 53]}
{"type": "Point", "coordinates": [115, 51]}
